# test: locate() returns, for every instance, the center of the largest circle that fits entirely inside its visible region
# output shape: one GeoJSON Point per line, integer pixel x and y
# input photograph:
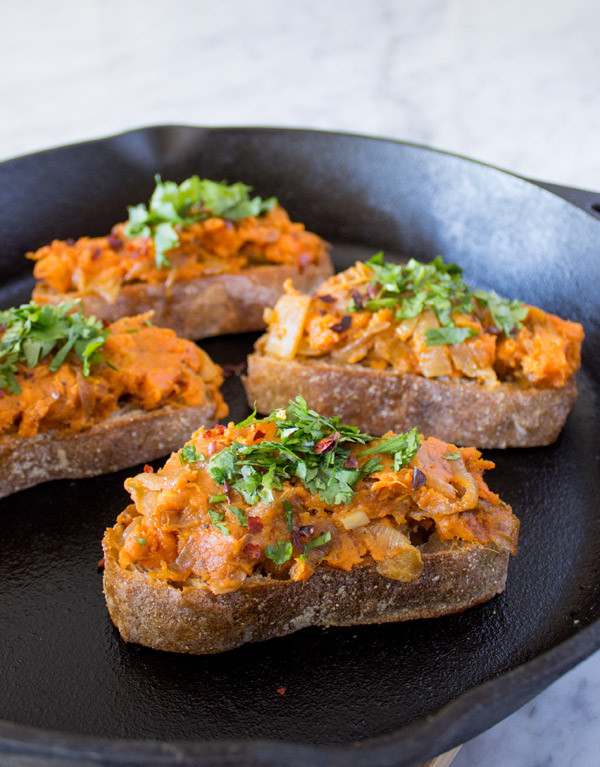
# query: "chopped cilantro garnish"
{"type": "Point", "coordinates": [280, 553]}
{"type": "Point", "coordinates": [216, 517]}
{"type": "Point", "coordinates": [33, 332]}
{"type": "Point", "coordinates": [141, 541]}
{"type": "Point", "coordinates": [193, 200]}
{"type": "Point", "coordinates": [217, 499]}
{"type": "Point", "coordinates": [287, 507]}
{"type": "Point", "coordinates": [416, 287]}
{"type": "Point", "coordinates": [189, 454]}
{"type": "Point", "coordinates": [448, 335]}
{"type": "Point", "coordinates": [256, 470]}
{"type": "Point", "coordinates": [240, 515]}
{"type": "Point", "coordinates": [453, 456]}
{"type": "Point", "coordinates": [403, 447]}
{"type": "Point", "coordinates": [319, 541]}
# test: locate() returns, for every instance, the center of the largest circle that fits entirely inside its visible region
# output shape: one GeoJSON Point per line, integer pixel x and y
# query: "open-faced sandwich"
{"type": "Point", "coordinates": [205, 257]}
{"type": "Point", "coordinates": [255, 530]}
{"type": "Point", "coordinates": [78, 399]}
{"type": "Point", "coordinates": [386, 346]}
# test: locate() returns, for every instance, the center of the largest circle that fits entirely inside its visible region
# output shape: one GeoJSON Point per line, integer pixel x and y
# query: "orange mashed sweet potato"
{"type": "Point", "coordinates": [545, 352]}
{"type": "Point", "coordinates": [103, 265]}
{"type": "Point", "coordinates": [183, 525]}
{"type": "Point", "coordinates": [144, 366]}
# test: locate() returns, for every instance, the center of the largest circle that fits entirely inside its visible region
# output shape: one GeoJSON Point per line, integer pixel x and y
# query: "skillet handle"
{"type": "Point", "coordinates": [588, 201]}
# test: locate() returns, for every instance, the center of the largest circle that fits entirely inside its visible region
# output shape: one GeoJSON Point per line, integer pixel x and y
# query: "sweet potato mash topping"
{"type": "Point", "coordinates": [103, 265]}
{"type": "Point", "coordinates": [386, 316]}
{"type": "Point", "coordinates": [139, 365]}
{"type": "Point", "coordinates": [286, 494]}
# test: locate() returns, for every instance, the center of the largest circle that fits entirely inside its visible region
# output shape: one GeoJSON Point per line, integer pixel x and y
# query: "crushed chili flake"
{"type": "Point", "coordinates": [373, 289]}
{"type": "Point", "coordinates": [359, 299]}
{"type": "Point", "coordinates": [148, 469]}
{"type": "Point", "coordinates": [233, 370]}
{"type": "Point", "coordinates": [219, 429]}
{"type": "Point", "coordinates": [281, 690]}
{"type": "Point", "coordinates": [96, 253]}
{"type": "Point", "coordinates": [258, 434]}
{"type": "Point", "coordinates": [351, 462]}
{"type": "Point", "coordinates": [327, 444]}
{"type": "Point", "coordinates": [418, 478]}
{"type": "Point", "coordinates": [255, 524]}
{"type": "Point", "coordinates": [303, 262]}
{"type": "Point", "coordinates": [252, 550]}
{"type": "Point", "coordinates": [115, 242]}
{"type": "Point", "coordinates": [100, 564]}
{"type": "Point", "coordinates": [493, 331]}
{"type": "Point", "coordinates": [327, 298]}
{"type": "Point", "coordinates": [342, 325]}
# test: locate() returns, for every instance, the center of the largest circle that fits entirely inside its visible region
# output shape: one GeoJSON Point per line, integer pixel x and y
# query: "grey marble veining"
{"type": "Point", "coordinates": [511, 83]}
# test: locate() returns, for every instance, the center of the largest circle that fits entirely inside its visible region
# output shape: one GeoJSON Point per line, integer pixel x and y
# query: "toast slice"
{"type": "Point", "coordinates": [206, 306]}
{"type": "Point", "coordinates": [386, 346]}
{"type": "Point", "coordinates": [127, 437]}
{"type": "Point", "coordinates": [191, 619]}
{"type": "Point", "coordinates": [465, 413]}
{"type": "Point", "coordinates": [298, 520]}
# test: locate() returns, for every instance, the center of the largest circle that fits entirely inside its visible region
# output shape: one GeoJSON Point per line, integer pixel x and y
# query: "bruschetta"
{"type": "Point", "coordinates": [205, 257]}
{"type": "Point", "coordinates": [389, 346]}
{"type": "Point", "coordinates": [78, 399]}
{"type": "Point", "coordinates": [255, 530]}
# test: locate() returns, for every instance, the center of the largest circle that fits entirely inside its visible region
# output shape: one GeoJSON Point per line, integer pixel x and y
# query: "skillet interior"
{"type": "Point", "coordinates": [63, 667]}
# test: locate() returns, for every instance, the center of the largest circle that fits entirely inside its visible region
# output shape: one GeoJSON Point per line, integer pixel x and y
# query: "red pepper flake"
{"type": "Point", "coordinates": [327, 299]}
{"type": "Point", "coordinates": [373, 289]}
{"type": "Point", "coordinates": [252, 550]}
{"type": "Point", "coordinates": [227, 491]}
{"type": "Point", "coordinates": [219, 429]}
{"type": "Point", "coordinates": [281, 690]}
{"type": "Point", "coordinates": [28, 376]}
{"type": "Point", "coordinates": [255, 524]}
{"type": "Point", "coordinates": [115, 242]}
{"type": "Point", "coordinates": [342, 325]}
{"type": "Point", "coordinates": [359, 300]}
{"type": "Point", "coordinates": [327, 444]}
{"type": "Point", "coordinates": [493, 331]}
{"type": "Point", "coordinates": [258, 434]}
{"type": "Point", "coordinates": [233, 370]}
{"type": "Point", "coordinates": [148, 469]}
{"type": "Point", "coordinates": [351, 462]}
{"type": "Point", "coordinates": [96, 253]}
{"type": "Point", "coordinates": [101, 564]}
{"type": "Point", "coordinates": [303, 262]}
{"type": "Point", "coordinates": [418, 479]}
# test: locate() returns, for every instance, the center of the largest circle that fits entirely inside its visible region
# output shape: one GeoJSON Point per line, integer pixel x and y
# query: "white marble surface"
{"type": "Point", "coordinates": [513, 83]}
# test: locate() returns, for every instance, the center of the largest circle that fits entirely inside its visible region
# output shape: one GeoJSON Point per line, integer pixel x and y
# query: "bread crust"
{"type": "Point", "coordinates": [127, 437]}
{"type": "Point", "coordinates": [192, 619]}
{"type": "Point", "coordinates": [207, 306]}
{"type": "Point", "coordinates": [377, 401]}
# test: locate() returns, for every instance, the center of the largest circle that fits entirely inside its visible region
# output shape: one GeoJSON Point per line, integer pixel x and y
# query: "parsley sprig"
{"type": "Point", "coordinates": [416, 287]}
{"type": "Point", "coordinates": [309, 447]}
{"type": "Point", "coordinates": [193, 200]}
{"type": "Point", "coordinates": [33, 332]}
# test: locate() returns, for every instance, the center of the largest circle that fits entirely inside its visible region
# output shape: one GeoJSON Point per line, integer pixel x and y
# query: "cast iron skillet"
{"type": "Point", "coordinates": [73, 693]}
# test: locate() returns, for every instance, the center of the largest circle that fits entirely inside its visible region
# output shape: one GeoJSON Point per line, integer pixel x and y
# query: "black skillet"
{"type": "Point", "coordinates": [71, 693]}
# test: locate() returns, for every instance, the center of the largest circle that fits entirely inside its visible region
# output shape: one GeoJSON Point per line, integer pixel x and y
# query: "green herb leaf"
{"type": "Point", "coordinates": [247, 421]}
{"type": "Point", "coordinates": [449, 335]}
{"type": "Point", "coordinates": [281, 553]}
{"type": "Point", "coordinates": [179, 205]}
{"type": "Point", "coordinates": [189, 454]}
{"type": "Point", "coordinates": [287, 507]}
{"type": "Point", "coordinates": [34, 332]}
{"type": "Point", "coordinates": [240, 515]}
{"type": "Point", "coordinates": [217, 498]}
{"type": "Point", "coordinates": [141, 541]}
{"type": "Point", "coordinates": [319, 541]}
{"type": "Point", "coordinates": [403, 447]}
{"type": "Point", "coordinates": [453, 456]}
{"type": "Point", "coordinates": [217, 519]}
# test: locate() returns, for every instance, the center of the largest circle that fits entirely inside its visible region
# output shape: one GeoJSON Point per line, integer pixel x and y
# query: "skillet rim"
{"type": "Point", "coordinates": [445, 728]}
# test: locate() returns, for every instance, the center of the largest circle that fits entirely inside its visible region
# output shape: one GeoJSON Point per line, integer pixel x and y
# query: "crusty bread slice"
{"type": "Point", "coordinates": [206, 306]}
{"type": "Point", "coordinates": [127, 437]}
{"type": "Point", "coordinates": [377, 401]}
{"type": "Point", "coordinates": [190, 618]}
